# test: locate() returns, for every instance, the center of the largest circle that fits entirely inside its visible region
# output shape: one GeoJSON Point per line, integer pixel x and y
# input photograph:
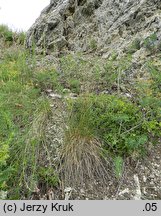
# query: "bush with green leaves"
{"type": "Point", "coordinates": [6, 33]}
{"type": "Point", "coordinates": [134, 46]}
{"type": "Point", "coordinates": [118, 166]}
{"type": "Point", "coordinates": [74, 85]}
{"type": "Point", "coordinates": [93, 44]}
{"type": "Point", "coordinates": [118, 122]}
{"type": "Point", "coordinates": [9, 36]}
{"type": "Point", "coordinates": [48, 176]}
{"type": "Point", "coordinates": [20, 37]}
{"type": "Point", "coordinates": [150, 43]}
{"type": "Point", "coordinates": [47, 79]}
{"type": "Point", "coordinates": [149, 94]}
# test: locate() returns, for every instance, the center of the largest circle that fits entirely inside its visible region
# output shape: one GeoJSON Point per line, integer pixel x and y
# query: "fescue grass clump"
{"type": "Point", "coordinates": [81, 156]}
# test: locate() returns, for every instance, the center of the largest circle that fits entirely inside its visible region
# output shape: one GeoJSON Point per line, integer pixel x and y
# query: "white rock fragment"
{"type": "Point", "coordinates": [52, 105]}
{"type": "Point", "coordinates": [49, 90]}
{"type": "Point", "coordinates": [3, 195]}
{"type": "Point", "coordinates": [124, 191]}
{"type": "Point", "coordinates": [66, 90]}
{"type": "Point", "coordinates": [67, 192]}
{"type": "Point", "coordinates": [144, 178]}
{"type": "Point", "coordinates": [71, 96]}
{"type": "Point", "coordinates": [82, 191]}
{"type": "Point", "coordinates": [152, 176]}
{"type": "Point", "coordinates": [128, 95]}
{"type": "Point", "coordinates": [144, 191]}
{"type": "Point", "coordinates": [54, 96]}
{"type": "Point", "coordinates": [138, 191]}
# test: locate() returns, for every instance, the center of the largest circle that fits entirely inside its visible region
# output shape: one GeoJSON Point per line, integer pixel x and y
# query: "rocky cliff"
{"type": "Point", "coordinates": [102, 25]}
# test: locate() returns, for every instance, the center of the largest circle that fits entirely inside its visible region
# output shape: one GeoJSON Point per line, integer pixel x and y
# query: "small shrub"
{"type": "Point", "coordinates": [118, 166]}
{"type": "Point", "coordinates": [117, 122]}
{"type": "Point", "coordinates": [6, 33]}
{"type": "Point", "coordinates": [74, 85]}
{"type": "Point", "coordinates": [149, 93]}
{"type": "Point", "coordinates": [47, 176]}
{"type": "Point", "coordinates": [119, 125]}
{"type": "Point", "coordinates": [93, 44]}
{"type": "Point", "coordinates": [150, 43]}
{"type": "Point", "coordinates": [110, 73]}
{"type": "Point", "coordinates": [47, 80]}
{"type": "Point", "coordinates": [20, 37]}
{"type": "Point", "coordinates": [134, 46]}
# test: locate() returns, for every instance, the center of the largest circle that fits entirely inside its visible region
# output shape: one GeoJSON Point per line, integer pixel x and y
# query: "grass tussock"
{"type": "Point", "coordinates": [81, 156]}
{"type": "Point", "coordinates": [34, 145]}
{"type": "Point", "coordinates": [82, 161]}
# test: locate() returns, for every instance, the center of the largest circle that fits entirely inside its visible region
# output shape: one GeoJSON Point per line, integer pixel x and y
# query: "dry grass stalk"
{"type": "Point", "coordinates": [82, 161]}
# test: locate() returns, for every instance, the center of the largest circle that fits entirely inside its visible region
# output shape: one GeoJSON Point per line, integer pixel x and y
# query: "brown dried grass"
{"type": "Point", "coordinates": [82, 161]}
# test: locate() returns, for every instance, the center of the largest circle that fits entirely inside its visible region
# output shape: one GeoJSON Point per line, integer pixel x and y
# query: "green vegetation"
{"type": "Point", "coordinates": [24, 114]}
{"type": "Point", "coordinates": [101, 129]}
{"type": "Point", "coordinates": [119, 123]}
{"type": "Point", "coordinates": [134, 46]}
{"type": "Point", "coordinates": [93, 44]}
{"type": "Point", "coordinates": [10, 37]}
{"type": "Point", "coordinates": [74, 85]}
{"type": "Point", "coordinates": [44, 80]}
{"type": "Point", "coordinates": [118, 163]}
{"type": "Point", "coordinates": [150, 43]}
{"type": "Point", "coordinates": [6, 33]}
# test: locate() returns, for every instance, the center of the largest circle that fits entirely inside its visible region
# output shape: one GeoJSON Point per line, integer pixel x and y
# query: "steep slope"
{"type": "Point", "coordinates": [89, 25]}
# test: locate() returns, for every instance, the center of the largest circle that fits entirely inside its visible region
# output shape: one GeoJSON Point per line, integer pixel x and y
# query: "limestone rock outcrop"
{"type": "Point", "coordinates": [94, 25]}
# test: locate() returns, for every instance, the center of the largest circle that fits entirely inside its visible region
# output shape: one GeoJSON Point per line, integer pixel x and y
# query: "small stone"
{"type": "Point", "coordinates": [124, 191]}
{"type": "Point", "coordinates": [156, 166]}
{"type": "Point", "coordinates": [144, 178]}
{"type": "Point", "coordinates": [49, 90]}
{"type": "Point", "coordinates": [152, 176]}
{"type": "Point", "coordinates": [128, 95]}
{"type": "Point", "coordinates": [54, 96]}
{"type": "Point", "coordinates": [151, 183]}
{"type": "Point", "coordinates": [82, 191]}
{"type": "Point", "coordinates": [66, 90]}
{"type": "Point", "coordinates": [67, 190]}
{"type": "Point", "coordinates": [52, 105]}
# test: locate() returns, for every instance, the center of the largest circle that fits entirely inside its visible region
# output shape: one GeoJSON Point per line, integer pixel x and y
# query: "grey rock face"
{"type": "Point", "coordinates": [102, 25]}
